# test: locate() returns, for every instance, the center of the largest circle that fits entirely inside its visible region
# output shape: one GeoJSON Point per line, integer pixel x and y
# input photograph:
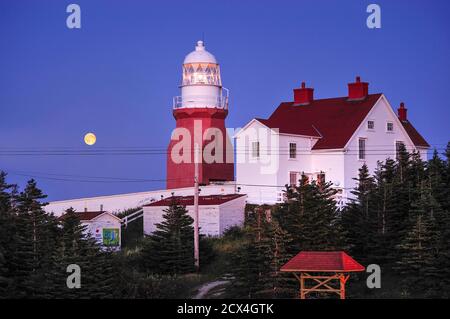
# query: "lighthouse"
{"type": "Point", "coordinates": [200, 114]}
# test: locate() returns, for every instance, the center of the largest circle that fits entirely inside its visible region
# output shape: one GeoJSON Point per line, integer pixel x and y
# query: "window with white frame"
{"type": "Point", "coordinates": [362, 148]}
{"type": "Point", "coordinates": [255, 149]}
{"type": "Point", "coordinates": [390, 127]}
{"type": "Point", "coordinates": [292, 150]}
{"type": "Point", "coordinates": [371, 125]}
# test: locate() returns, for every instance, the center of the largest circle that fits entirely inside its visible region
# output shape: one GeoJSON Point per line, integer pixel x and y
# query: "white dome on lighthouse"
{"type": "Point", "coordinates": [201, 85]}
{"type": "Point", "coordinates": [200, 55]}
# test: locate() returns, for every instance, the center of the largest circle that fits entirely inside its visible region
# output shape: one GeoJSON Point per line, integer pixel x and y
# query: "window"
{"type": "Point", "coordinates": [255, 149]}
{"type": "Point", "coordinates": [389, 126]}
{"type": "Point", "coordinates": [399, 145]}
{"type": "Point", "coordinates": [293, 178]}
{"type": "Point", "coordinates": [201, 73]}
{"type": "Point", "coordinates": [371, 125]}
{"type": "Point", "coordinates": [362, 149]}
{"type": "Point", "coordinates": [292, 150]}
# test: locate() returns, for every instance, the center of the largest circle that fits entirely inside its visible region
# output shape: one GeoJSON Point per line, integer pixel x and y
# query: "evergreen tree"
{"type": "Point", "coordinates": [35, 250]}
{"type": "Point", "coordinates": [439, 185]}
{"type": "Point", "coordinates": [170, 249]}
{"type": "Point", "coordinates": [445, 192]}
{"type": "Point", "coordinates": [437, 181]}
{"type": "Point", "coordinates": [417, 262]}
{"type": "Point", "coordinates": [380, 244]}
{"type": "Point", "coordinates": [403, 191]}
{"type": "Point", "coordinates": [7, 234]}
{"type": "Point", "coordinates": [32, 243]}
{"type": "Point", "coordinates": [97, 267]}
{"type": "Point", "coordinates": [359, 218]}
{"type": "Point", "coordinates": [273, 245]}
{"type": "Point", "coordinates": [71, 251]}
{"type": "Point", "coordinates": [247, 266]}
{"type": "Point", "coordinates": [310, 216]}
{"type": "Point", "coordinates": [256, 266]}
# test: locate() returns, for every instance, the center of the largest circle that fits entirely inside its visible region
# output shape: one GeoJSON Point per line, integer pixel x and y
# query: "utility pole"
{"type": "Point", "coordinates": [196, 195]}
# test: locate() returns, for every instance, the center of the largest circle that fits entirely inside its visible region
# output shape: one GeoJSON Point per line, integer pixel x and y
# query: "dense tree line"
{"type": "Point", "coordinates": [307, 220]}
{"type": "Point", "coordinates": [36, 248]}
{"type": "Point", "coordinates": [399, 219]}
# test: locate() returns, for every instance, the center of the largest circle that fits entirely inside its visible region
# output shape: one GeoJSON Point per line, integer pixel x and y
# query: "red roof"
{"type": "Point", "coordinates": [203, 200]}
{"type": "Point", "coordinates": [416, 138]}
{"type": "Point", "coordinates": [332, 120]}
{"type": "Point", "coordinates": [322, 261]}
{"type": "Point", "coordinates": [86, 215]}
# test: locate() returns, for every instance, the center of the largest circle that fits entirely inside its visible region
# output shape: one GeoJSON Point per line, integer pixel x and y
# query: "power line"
{"type": "Point", "coordinates": [88, 179]}
{"type": "Point", "coordinates": [61, 177]}
{"type": "Point", "coordinates": [245, 152]}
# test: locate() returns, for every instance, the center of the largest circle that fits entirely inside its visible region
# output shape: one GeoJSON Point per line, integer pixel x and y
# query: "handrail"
{"type": "Point", "coordinates": [127, 219]}
{"type": "Point", "coordinates": [220, 102]}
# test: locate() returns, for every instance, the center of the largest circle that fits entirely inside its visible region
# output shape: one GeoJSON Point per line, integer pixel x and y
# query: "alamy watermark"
{"type": "Point", "coordinates": [374, 19]}
{"type": "Point", "coordinates": [73, 21]}
{"type": "Point", "coordinates": [74, 279]}
{"type": "Point", "coordinates": [374, 279]}
{"type": "Point", "coordinates": [216, 146]}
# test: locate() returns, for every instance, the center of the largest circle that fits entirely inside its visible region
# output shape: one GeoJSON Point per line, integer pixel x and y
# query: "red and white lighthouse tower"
{"type": "Point", "coordinates": [200, 114]}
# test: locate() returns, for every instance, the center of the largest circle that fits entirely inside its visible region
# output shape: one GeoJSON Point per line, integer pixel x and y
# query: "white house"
{"type": "Point", "coordinates": [103, 226]}
{"type": "Point", "coordinates": [324, 139]}
{"type": "Point", "coordinates": [216, 212]}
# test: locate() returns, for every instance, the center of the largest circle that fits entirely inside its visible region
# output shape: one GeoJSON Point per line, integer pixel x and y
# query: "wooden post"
{"type": "Point", "coordinates": [342, 280]}
{"type": "Point", "coordinates": [196, 195]}
{"type": "Point", "coordinates": [302, 287]}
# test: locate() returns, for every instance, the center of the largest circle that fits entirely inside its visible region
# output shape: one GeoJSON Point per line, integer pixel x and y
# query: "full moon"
{"type": "Point", "coordinates": [90, 138]}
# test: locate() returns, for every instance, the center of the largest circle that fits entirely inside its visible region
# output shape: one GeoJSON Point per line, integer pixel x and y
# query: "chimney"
{"type": "Point", "coordinates": [303, 95]}
{"type": "Point", "coordinates": [402, 112]}
{"type": "Point", "coordinates": [358, 90]}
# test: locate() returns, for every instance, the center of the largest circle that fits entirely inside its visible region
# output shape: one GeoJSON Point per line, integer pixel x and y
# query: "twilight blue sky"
{"type": "Point", "coordinates": [117, 75]}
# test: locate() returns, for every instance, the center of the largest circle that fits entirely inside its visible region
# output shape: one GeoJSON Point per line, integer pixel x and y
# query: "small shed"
{"type": "Point", "coordinates": [104, 227]}
{"type": "Point", "coordinates": [216, 212]}
{"type": "Point", "coordinates": [322, 271]}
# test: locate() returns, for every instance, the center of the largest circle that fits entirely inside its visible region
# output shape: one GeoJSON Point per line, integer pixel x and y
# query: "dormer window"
{"type": "Point", "coordinates": [371, 125]}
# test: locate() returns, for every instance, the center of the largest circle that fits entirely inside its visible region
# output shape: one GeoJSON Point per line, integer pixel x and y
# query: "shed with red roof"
{"type": "Point", "coordinates": [216, 212]}
{"type": "Point", "coordinates": [103, 226]}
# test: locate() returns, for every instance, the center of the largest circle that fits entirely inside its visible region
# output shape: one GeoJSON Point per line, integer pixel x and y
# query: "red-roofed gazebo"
{"type": "Point", "coordinates": [336, 263]}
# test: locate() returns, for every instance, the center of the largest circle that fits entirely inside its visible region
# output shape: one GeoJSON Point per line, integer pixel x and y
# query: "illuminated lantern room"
{"type": "Point", "coordinates": [201, 85]}
{"type": "Point", "coordinates": [201, 73]}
